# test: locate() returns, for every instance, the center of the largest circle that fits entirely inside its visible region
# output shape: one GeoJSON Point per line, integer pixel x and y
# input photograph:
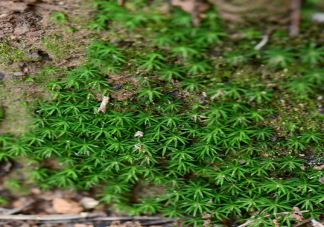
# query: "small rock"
{"type": "Point", "coordinates": [18, 73]}
{"type": "Point", "coordinates": [89, 203]}
{"type": "Point", "coordinates": [65, 206]}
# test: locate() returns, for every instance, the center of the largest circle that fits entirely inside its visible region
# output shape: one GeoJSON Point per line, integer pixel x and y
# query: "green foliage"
{"type": "Point", "coordinates": [280, 57]}
{"type": "Point", "coordinates": [10, 54]}
{"type": "Point", "coordinates": [59, 16]}
{"type": "Point", "coordinates": [312, 55]}
{"type": "Point", "coordinates": [236, 58]}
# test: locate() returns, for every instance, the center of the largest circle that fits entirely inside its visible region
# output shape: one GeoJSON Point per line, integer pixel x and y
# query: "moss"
{"type": "Point", "coordinates": [10, 54]}
{"type": "Point", "coordinates": [222, 127]}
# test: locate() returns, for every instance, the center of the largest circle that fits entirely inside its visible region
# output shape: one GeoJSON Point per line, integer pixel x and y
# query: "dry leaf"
{"type": "Point", "coordinates": [65, 206]}
{"type": "Point", "coordinates": [318, 167]}
{"type": "Point", "coordinates": [321, 180]}
{"type": "Point", "coordinates": [297, 216]}
{"type": "Point", "coordinates": [139, 134]}
{"type": "Point", "coordinates": [194, 7]}
{"type": "Point", "coordinates": [20, 202]}
{"type": "Point", "coordinates": [103, 105]}
{"type": "Point", "coordinates": [317, 224]}
{"type": "Point", "coordinates": [276, 223]}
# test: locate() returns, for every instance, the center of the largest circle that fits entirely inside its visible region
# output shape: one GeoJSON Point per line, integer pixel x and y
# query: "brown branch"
{"type": "Point", "coordinates": [303, 222]}
{"type": "Point", "coordinates": [265, 39]}
{"type": "Point", "coordinates": [50, 217]}
{"type": "Point", "coordinates": [131, 219]}
{"type": "Point", "coordinates": [16, 210]}
{"type": "Point", "coordinates": [295, 17]}
{"type": "Point", "coordinates": [91, 216]}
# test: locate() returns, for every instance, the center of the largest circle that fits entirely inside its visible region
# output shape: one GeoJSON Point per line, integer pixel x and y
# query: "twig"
{"type": "Point", "coordinates": [157, 222]}
{"type": "Point", "coordinates": [3, 209]}
{"type": "Point", "coordinates": [89, 216]}
{"type": "Point", "coordinates": [294, 17]}
{"type": "Point", "coordinates": [265, 39]}
{"type": "Point", "coordinates": [50, 217]}
{"type": "Point", "coordinates": [16, 210]}
{"type": "Point", "coordinates": [282, 213]}
{"type": "Point", "coordinates": [130, 219]}
{"type": "Point", "coordinates": [144, 220]}
{"type": "Point", "coordinates": [303, 222]}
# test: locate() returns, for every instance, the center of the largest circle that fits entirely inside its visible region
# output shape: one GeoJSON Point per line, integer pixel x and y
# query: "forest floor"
{"type": "Point", "coordinates": [35, 35]}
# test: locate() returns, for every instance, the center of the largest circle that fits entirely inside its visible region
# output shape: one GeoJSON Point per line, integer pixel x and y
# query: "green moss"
{"type": "Point", "coordinates": [226, 131]}
{"type": "Point", "coordinates": [10, 54]}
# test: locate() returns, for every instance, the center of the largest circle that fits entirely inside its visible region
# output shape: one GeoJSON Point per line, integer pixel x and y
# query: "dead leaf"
{"type": "Point", "coordinates": [103, 104]}
{"type": "Point", "coordinates": [65, 206]}
{"type": "Point", "coordinates": [20, 202]}
{"type": "Point", "coordinates": [276, 223]}
{"type": "Point", "coordinates": [321, 180]}
{"type": "Point", "coordinates": [318, 167]}
{"type": "Point", "coordinates": [194, 7]}
{"type": "Point", "coordinates": [297, 216]}
{"type": "Point", "coordinates": [317, 224]}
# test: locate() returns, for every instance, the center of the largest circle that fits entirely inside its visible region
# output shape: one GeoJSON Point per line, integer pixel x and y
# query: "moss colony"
{"type": "Point", "coordinates": [225, 131]}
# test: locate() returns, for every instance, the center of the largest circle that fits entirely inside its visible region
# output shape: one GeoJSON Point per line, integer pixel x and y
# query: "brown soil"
{"type": "Point", "coordinates": [35, 39]}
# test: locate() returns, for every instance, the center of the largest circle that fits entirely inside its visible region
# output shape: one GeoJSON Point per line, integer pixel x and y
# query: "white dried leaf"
{"type": "Point", "coordinates": [103, 105]}
{"type": "Point", "coordinates": [89, 203]}
{"type": "Point", "coordinates": [139, 134]}
{"type": "Point", "coordinates": [316, 223]}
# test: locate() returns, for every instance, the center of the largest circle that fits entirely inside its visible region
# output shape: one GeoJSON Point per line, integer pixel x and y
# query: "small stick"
{"type": "Point", "coordinates": [50, 217]}
{"type": "Point", "coordinates": [265, 39]}
{"type": "Point", "coordinates": [157, 222]}
{"type": "Point", "coordinates": [130, 219]}
{"type": "Point", "coordinates": [16, 210]}
{"type": "Point", "coordinates": [282, 213]}
{"type": "Point", "coordinates": [295, 17]}
{"type": "Point", "coordinates": [92, 216]}
{"type": "Point", "coordinates": [303, 222]}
